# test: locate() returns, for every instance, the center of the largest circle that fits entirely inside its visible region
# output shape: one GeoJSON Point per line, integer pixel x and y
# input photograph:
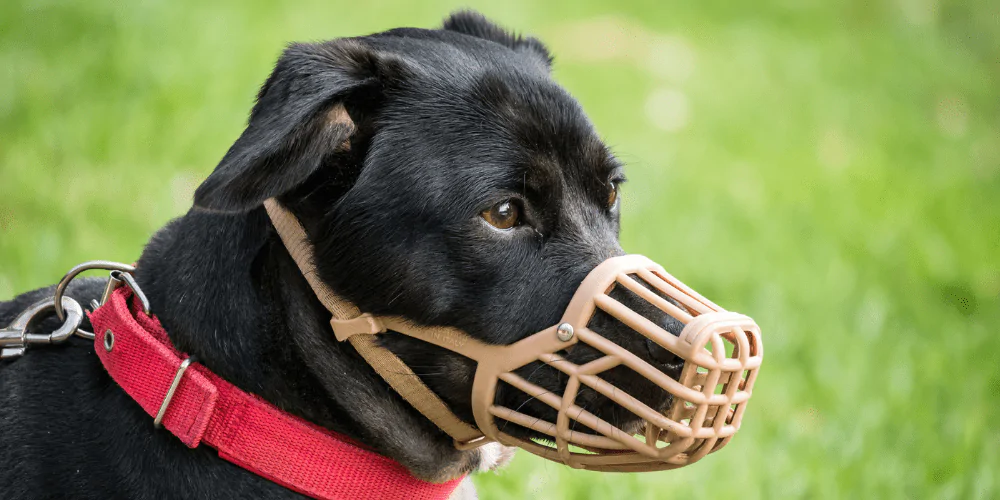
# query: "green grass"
{"type": "Point", "coordinates": [831, 169]}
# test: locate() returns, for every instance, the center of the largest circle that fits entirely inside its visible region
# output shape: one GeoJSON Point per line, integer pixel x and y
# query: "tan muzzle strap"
{"type": "Point", "coordinates": [722, 352]}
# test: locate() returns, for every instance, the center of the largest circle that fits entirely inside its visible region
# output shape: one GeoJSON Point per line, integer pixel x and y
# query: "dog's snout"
{"type": "Point", "coordinates": [658, 353]}
{"type": "Point", "coordinates": [645, 347]}
{"type": "Point", "coordinates": [663, 357]}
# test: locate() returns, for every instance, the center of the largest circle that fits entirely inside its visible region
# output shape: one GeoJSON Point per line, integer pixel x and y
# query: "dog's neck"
{"type": "Point", "coordinates": [227, 291]}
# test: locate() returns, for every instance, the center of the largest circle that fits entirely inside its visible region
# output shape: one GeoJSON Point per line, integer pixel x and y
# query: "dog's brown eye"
{"type": "Point", "coordinates": [613, 195]}
{"type": "Point", "coordinates": [503, 215]}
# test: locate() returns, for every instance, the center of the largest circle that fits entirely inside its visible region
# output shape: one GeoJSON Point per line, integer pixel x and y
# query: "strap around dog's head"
{"type": "Point", "coordinates": [349, 323]}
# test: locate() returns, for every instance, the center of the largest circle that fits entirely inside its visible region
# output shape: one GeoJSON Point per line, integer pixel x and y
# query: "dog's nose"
{"type": "Point", "coordinates": [657, 353]}
{"type": "Point", "coordinates": [663, 357]}
{"type": "Point", "coordinates": [646, 348]}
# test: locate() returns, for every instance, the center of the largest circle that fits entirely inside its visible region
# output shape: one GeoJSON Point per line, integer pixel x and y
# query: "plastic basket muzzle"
{"type": "Point", "coordinates": [722, 352]}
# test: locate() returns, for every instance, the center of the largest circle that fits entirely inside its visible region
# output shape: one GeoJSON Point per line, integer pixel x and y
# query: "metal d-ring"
{"type": "Point", "coordinates": [86, 266]}
{"type": "Point", "coordinates": [120, 273]}
{"type": "Point", "coordinates": [114, 281]}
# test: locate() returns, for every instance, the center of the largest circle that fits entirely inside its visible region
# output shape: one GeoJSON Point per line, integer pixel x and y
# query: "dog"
{"type": "Point", "coordinates": [441, 175]}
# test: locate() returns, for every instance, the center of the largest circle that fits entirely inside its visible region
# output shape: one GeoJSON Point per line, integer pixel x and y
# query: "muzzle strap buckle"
{"type": "Point", "coordinates": [344, 329]}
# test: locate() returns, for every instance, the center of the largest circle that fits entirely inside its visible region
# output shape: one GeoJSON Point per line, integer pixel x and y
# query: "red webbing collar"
{"type": "Point", "coordinates": [245, 429]}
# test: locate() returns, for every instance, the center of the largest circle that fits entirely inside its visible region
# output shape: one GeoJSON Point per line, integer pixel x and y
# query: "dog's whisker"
{"type": "Point", "coordinates": [422, 374]}
{"type": "Point", "coordinates": [614, 408]}
{"type": "Point", "coordinates": [572, 428]}
{"type": "Point", "coordinates": [522, 406]}
{"type": "Point", "coordinates": [528, 378]}
{"type": "Point", "coordinates": [397, 293]}
{"type": "Point", "coordinates": [544, 363]}
{"type": "Point", "coordinates": [584, 408]}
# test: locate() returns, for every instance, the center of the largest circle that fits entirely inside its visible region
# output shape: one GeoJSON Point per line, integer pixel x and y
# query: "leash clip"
{"type": "Point", "coordinates": [14, 339]}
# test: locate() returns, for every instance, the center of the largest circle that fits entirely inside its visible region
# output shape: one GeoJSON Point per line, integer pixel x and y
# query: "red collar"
{"type": "Point", "coordinates": [245, 429]}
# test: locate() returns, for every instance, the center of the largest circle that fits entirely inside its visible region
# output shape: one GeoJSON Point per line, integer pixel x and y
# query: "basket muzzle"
{"type": "Point", "coordinates": [721, 353]}
{"type": "Point", "coordinates": [721, 350]}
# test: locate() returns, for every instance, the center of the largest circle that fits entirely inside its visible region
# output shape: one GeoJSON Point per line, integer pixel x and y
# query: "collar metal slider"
{"type": "Point", "coordinates": [157, 422]}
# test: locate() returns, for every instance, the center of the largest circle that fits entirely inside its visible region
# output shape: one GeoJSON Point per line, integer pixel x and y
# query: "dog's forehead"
{"type": "Point", "coordinates": [504, 127]}
{"type": "Point", "coordinates": [474, 119]}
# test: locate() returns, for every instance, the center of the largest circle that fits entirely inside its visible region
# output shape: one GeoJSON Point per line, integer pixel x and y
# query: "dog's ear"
{"type": "Point", "coordinates": [475, 24]}
{"type": "Point", "coordinates": [301, 118]}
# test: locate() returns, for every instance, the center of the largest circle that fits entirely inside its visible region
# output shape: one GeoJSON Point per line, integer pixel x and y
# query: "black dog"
{"type": "Point", "coordinates": [441, 175]}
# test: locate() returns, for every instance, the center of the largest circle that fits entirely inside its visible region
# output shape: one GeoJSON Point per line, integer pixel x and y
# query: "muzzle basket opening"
{"type": "Point", "coordinates": [721, 351]}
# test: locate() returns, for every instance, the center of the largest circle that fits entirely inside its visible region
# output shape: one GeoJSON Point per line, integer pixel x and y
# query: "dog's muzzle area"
{"type": "Point", "coordinates": [653, 377]}
{"type": "Point", "coordinates": [548, 376]}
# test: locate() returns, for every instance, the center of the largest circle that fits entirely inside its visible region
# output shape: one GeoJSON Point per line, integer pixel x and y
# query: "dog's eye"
{"type": "Point", "coordinates": [613, 195]}
{"type": "Point", "coordinates": [503, 215]}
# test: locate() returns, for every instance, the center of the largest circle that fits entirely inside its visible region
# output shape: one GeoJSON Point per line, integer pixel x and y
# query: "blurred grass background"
{"type": "Point", "coordinates": [831, 168]}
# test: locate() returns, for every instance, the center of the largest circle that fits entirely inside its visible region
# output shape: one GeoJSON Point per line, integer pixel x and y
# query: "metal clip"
{"type": "Point", "coordinates": [15, 338]}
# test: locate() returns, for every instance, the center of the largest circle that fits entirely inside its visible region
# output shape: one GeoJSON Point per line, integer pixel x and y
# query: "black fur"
{"type": "Point", "coordinates": [443, 124]}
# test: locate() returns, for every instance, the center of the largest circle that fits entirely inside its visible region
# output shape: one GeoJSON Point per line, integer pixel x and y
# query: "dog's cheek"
{"type": "Point", "coordinates": [447, 374]}
{"type": "Point", "coordinates": [461, 373]}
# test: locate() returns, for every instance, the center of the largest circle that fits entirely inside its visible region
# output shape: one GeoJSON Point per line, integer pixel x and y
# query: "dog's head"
{"type": "Point", "coordinates": [443, 176]}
